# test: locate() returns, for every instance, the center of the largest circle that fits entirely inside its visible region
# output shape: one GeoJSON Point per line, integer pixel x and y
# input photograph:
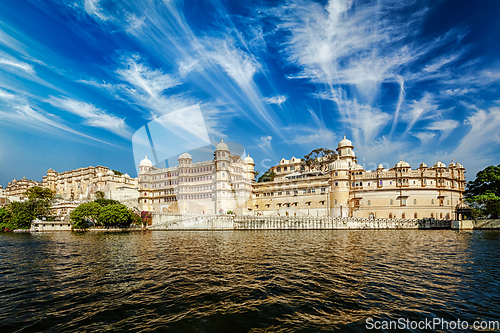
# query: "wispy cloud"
{"type": "Point", "coordinates": [93, 116]}
{"type": "Point", "coordinates": [306, 135]}
{"type": "Point", "coordinates": [19, 112]}
{"type": "Point", "coordinates": [444, 126]}
{"type": "Point", "coordinates": [278, 100]}
{"type": "Point", "coordinates": [93, 9]}
{"type": "Point", "coordinates": [264, 143]}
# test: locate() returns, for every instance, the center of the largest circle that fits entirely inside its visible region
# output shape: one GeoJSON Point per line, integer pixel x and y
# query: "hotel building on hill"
{"type": "Point", "coordinates": [82, 184]}
{"type": "Point", "coordinates": [347, 189]}
{"type": "Point", "coordinates": [17, 188]}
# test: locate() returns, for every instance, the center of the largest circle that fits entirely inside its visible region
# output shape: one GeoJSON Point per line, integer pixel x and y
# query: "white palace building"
{"type": "Point", "coordinates": [344, 189]}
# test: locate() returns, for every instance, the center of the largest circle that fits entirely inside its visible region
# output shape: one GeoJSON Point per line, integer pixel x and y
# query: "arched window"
{"type": "Point", "coordinates": [292, 168]}
{"type": "Point", "coordinates": [285, 169]}
{"type": "Point", "coordinates": [441, 216]}
{"type": "Point", "coordinates": [448, 216]}
{"type": "Point", "coordinates": [391, 202]}
{"type": "Point", "coordinates": [403, 216]}
{"type": "Point", "coordinates": [390, 215]}
{"type": "Point", "coordinates": [369, 203]}
{"type": "Point", "coordinates": [415, 215]}
{"type": "Point", "coordinates": [432, 201]}
{"type": "Point", "coordinates": [278, 169]}
{"type": "Point", "coordinates": [414, 201]}
{"type": "Point", "coordinates": [432, 215]}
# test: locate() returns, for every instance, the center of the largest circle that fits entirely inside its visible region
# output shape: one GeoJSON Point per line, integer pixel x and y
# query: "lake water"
{"type": "Point", "coordinates": [257, 281]}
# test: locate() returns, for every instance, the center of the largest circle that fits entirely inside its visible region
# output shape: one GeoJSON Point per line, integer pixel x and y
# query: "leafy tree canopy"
{"type": "Point", "coordinates": [115, 215]}
{"type": "Point", "coordinates": [88, 211]}
{"type": "Point", "coordinates": [319, 158]}
{"type": "Point", "coordinates": [38, 192]}
{"type": "Point", "coordinates": [484, 192]}
{"type": "Point", "coordinates": [268, 176]}
{"type": "Point", "coordinates": [99, 195]}
{"type": "Point", "coordinates": [118, 173]}
{"type": "Point", "coordinates": [106, 202]}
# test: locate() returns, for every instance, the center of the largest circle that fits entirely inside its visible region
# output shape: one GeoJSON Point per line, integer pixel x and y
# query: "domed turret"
{"type": "Point", "coordinates": [345, 143]}
{"type": "Point", "coordinates": [439, 164]}
{"type": "Point", "coordinates": [126, 175]}
{"type": "Point", "coordinates": [380, 167]}
{"type": "Point", "coordinates": [402, 164]}
{"type": "Point", "coordinates": [222, 145]}
{"type": "Point", "coordinates": [248, 160]}
{"type": "Point", "coordinates": [345, 150]}
{"type": "Point", "coordinates": [423, 165]}
{"type": "Point", "coordinates": [146, 162]}
{"type": "Point", "coordinates": [185, 155]}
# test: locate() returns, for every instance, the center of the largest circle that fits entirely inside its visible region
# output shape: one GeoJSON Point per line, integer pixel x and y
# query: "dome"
{"type": "Point", "coordinates": [345, 143]}
{"type": "Point", "coordinates": [126, 175]}
{"type": "Point", "coordinates": [380, 166]}
{"type": "Point", "coordinates": [451, 165]}
{"type": "Point", "coordinates": [439, 164]}
{"type": "Point", "coordinates": [460, 166]}
{"type": "Point", "coordinates": [222, 145]}
{"type": "Point", "coordinates": [146, 162]}
{"type": "Point", "coordinates": [357, 167]}
{"type": "Point", "coordinates": [110, 173]}
{"type": "Point", "coordinates": [248, 160]}
{"type": "Point", "coordinates": [185, 155]}
{"type": "Point", "coordinates": [423, 165]}
{"type": "Point", "coordinates": [339, 165]}
{"type": "Point", "coordinates": [402, 164]}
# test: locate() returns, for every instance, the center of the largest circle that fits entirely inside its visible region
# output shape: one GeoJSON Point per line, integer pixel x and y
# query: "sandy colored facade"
{"type": "Point", "coordinates": [347, 189]}
{"type": "Point", "coordinates": [82, 184]}
{"type": "Point", "coordinates": [16, 188]}
{"type": "Point", "coordinates": [207, 187]}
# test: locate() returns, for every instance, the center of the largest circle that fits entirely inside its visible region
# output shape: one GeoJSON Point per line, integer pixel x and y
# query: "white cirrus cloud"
{"type": "Point", "coordinates": [93, 116]}
{"type": "Point", "coordinates": [278, 99]}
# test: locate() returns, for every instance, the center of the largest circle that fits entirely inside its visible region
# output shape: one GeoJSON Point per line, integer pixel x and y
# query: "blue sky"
{"type": "Point", "coordinates": [410, 80]}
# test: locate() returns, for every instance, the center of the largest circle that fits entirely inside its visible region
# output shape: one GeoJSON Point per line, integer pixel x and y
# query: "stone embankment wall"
{"type": "Point", "coordinates": [168, 221]}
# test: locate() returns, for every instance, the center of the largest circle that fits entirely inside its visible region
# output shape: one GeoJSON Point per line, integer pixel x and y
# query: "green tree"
{"type": "Point", "coordinates": [4, 215]}
{"type": "Point", "coordinates": [256, 175]}
{"type": "Point", "coordinates": [106, 202]}
{"type": "Point", "coordinates": [99, 195]}
{"type": "Point", "coordinates": [118, 173]}
{"type": "Point", "coordinates": [483, 194]}
{"type": "Point", "coordinates": [86, 212]}
{"type": "Point", "coordinates": [39, 193]}
{"type": "Point", "coordinates": [319, 159]}
{"type": "Point", "coordinates": [115, 215]}
{"type": "Point", "coordinates": [268, 176]}
{"type": "Point", "coordinates": [5, 220]}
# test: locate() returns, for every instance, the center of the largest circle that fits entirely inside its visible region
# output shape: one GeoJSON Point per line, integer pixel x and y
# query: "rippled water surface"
{"type": "Point", "coordinates": [273, 281]}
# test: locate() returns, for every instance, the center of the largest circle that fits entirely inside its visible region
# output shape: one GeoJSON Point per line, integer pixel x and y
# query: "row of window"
{"type": "Point", "coordinates": [182, 197]}
{"type": "Point", "coordinates": [196, 170]}
{"type": "Point", "coordinates": [415, 215]}
{"type": "Point", "coordinates": [292, 168]}
{"type": "Point", "coordinates": [288, 205]}
{"type": "Point", "coordinates": [295, 192]}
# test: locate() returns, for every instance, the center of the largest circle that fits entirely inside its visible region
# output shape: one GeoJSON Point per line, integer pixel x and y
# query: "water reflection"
{"type": "Point", "coordinates": [244, 280]}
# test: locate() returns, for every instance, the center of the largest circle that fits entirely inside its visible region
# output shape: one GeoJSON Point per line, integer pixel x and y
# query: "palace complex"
{"type": "Point", "coordinates": [342, 189]}
{"type": "Point", "coordinates": [225, 183]}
